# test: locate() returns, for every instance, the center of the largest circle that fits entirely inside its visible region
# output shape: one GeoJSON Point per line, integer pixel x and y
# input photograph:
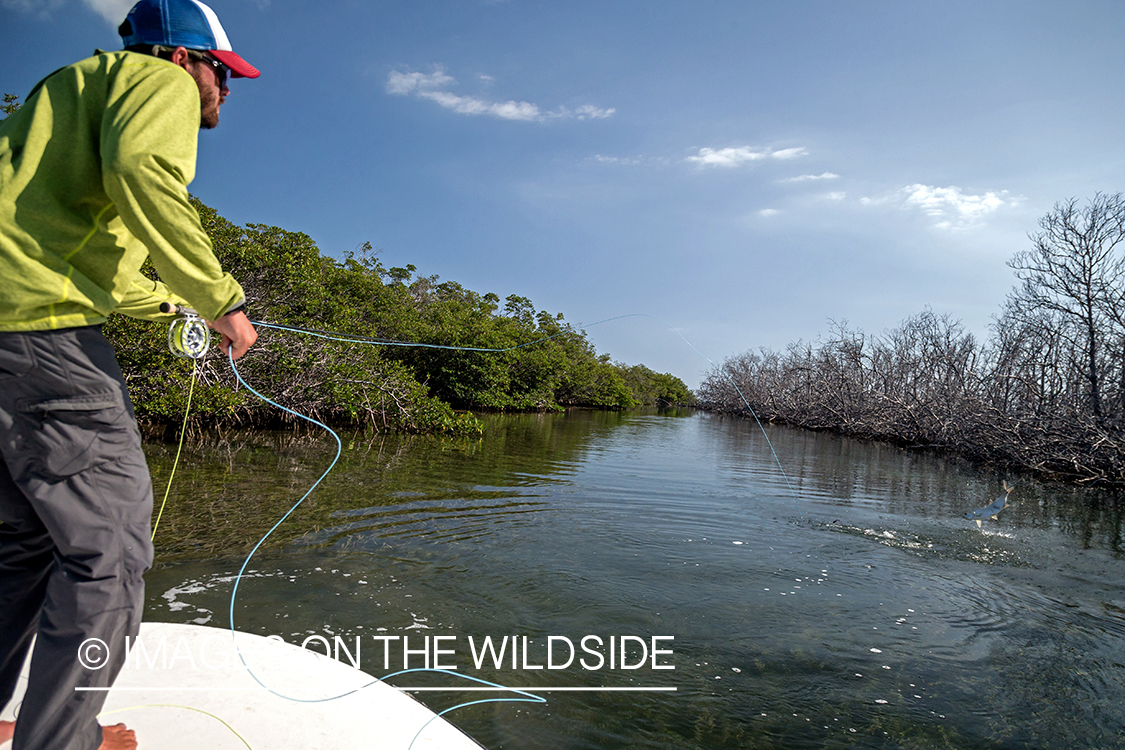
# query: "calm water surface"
{"type": "Point", "coordinates": [863, 612]}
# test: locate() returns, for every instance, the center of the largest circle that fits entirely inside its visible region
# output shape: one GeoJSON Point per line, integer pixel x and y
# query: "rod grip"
{"type": "Point", "coordinates": [168, 307]}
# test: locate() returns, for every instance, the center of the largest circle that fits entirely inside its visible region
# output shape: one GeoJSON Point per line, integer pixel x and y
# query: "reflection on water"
{"type": "Point", "coordinates": [865, 612]}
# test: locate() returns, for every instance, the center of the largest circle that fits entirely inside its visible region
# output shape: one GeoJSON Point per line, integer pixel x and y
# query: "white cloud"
{"type": "Point", "coordinates": [768, 212]}
{"type": "Point", "coordinates": [616, 159]}
{"type": "Point", "coordinates": [726, 157]}
{"type": "Point", "coordinates": [951, 207]}
{"type": "Point", "coordinates": [591, 112]}
{"type": "Point", "coordinates": [836, 196]}
{"type": "Point", "coordinates": [808, 177]}
{"type": "Point", "coordinates": [467, 105]}
{"type": "Point", "coordinates": [736, 156]}
{"type": "Point", "coordinates": [432, 87]}
{"type": "Point", "coordinates": [789, 153]}
{"type": "Point", "coordinates": [113, 11]}
{"type": "Point", "coordinates": [41, 8]}
{"type": "Point", "coordinates": [632, 161]}
{"type": "Point", "coordinates": [404, 83]}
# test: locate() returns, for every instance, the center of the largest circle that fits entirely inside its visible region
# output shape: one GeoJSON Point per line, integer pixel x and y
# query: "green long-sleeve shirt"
{"type": "Point", "coordinates": [94, 169]}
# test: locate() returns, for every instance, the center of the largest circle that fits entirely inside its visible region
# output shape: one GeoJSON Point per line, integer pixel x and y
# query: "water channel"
{"type": "Point", "coordinates": [848, 606]}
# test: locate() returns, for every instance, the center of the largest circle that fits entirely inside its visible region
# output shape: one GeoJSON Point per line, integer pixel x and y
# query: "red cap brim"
{"type": "Point", "coordinates": [239, 68]}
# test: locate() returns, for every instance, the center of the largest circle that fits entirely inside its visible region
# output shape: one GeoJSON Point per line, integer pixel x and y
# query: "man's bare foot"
{"type": "Point", "coordinates": [118, 737]}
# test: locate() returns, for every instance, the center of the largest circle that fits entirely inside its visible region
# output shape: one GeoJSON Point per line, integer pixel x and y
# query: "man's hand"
{"type": "Point", "coordinates": [237, 332]}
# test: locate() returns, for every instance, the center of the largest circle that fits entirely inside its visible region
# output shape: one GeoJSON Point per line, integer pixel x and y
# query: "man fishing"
{"type": "Point", "coordinates": [94, 170]}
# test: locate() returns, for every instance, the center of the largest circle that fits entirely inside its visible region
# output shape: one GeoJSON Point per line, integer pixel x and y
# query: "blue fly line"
{"type": "Point", "coordinates": [526, 697]}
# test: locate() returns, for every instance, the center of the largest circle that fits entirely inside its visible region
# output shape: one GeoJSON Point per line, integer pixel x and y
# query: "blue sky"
{"type": "Point", "coordinates": [747, 171]}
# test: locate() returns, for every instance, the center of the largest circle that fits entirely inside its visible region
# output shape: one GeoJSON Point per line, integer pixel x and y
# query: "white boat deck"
{"type": "Point", "coordinates": [197, 693]}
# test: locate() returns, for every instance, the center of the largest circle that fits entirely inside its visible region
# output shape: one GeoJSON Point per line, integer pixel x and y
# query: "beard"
{"type": "Point", "coordinates": [209, 103]}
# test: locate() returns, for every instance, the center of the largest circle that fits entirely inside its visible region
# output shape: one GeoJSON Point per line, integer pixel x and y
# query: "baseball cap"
{"type": "Point", "coordinates": [183, 23]}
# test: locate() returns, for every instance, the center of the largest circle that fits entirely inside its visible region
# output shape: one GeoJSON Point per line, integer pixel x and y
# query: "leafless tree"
{"type": "Point", "coordinates": [1076, 270]}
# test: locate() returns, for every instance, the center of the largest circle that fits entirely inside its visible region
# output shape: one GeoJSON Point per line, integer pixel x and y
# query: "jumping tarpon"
{"type": "Point", "coordinates": [990, 511]}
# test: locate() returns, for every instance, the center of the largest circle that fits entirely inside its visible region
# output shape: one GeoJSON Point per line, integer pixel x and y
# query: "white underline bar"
{"type": "Point", "coordinates": [552, 689]}
{"type": "Point", "coordinates": [404, 689]}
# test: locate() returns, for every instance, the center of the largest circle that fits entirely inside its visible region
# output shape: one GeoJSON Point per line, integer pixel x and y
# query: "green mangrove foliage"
{"type": "Point", "coordinates": [1045, 394]}
{"type": "Point", "coordinates": [289, 282]}
{"type": "Point", "coordinates": [10, 106]}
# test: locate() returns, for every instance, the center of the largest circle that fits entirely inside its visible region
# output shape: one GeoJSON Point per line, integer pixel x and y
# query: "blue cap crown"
{"type": "Point", "coordinates": [174, 23]}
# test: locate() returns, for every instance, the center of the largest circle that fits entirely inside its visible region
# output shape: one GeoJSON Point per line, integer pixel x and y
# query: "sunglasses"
{"type": "Point", "coordinates": [221, 70]}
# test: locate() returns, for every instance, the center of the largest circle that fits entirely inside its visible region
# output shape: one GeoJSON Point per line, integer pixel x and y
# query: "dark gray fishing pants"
{"type": "Point", "coordinates": [76, 507]}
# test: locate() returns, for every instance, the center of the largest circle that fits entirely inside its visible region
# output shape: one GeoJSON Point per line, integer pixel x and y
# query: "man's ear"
{"type": "Point", "coordinates": [180, 57]}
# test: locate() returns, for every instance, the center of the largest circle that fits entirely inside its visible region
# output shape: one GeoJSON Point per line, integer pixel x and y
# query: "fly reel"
{"type": "Point", "coordinates": [189, 336]}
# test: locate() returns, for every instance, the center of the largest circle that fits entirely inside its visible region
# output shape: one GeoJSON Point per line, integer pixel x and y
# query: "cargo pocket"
{"type": "Point", "coordinates": [69, 435]}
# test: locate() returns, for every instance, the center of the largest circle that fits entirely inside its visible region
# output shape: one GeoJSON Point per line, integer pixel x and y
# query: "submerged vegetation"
{"type": "Point", "coordinates": [1045, 394]}
{"type": "Point", "coordinates": [289, 282]}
